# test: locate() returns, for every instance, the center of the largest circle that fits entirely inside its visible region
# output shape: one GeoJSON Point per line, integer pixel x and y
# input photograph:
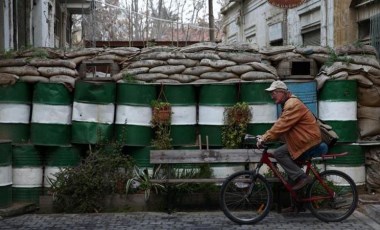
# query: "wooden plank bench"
{"type": "Point", "coordinates": [211, 156]}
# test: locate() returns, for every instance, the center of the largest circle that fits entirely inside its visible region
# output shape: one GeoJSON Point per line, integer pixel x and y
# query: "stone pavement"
{"type": "Point", "coordinates": [366, 216]}
{"type": "Point", "coordinates": [179, 220]}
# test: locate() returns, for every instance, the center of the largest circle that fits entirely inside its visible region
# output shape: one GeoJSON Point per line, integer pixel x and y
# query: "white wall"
{"type": "Point", "coordinates": [43, 23]}
{"type": "Point", "coordinates": [8, 24]}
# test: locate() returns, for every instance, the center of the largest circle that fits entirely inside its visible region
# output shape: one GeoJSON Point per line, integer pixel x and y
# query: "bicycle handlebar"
{"type": "Point", "coordinates": [249, 137]}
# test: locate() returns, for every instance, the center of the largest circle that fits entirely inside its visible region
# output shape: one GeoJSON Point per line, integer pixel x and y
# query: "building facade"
{"type": "Point", "coordinates": [38, 23]}
{"type": "Point", "coordinates": [314, 22]}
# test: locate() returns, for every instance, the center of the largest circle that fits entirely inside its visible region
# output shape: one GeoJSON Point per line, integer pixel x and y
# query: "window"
{"type": "Point", "coordinates": [311, 38]}
{"type": "Point", "coordinates": [364, 31]}
{"type": "Point", "coordinates": [279, 42]}
{"type": "Point", "coordinates": [375, 32]}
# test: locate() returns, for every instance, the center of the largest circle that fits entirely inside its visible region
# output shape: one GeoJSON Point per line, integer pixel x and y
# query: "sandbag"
{"type": "Point", "coordinates": [162, 56]}
{"type": "Point", "coordinates": [199, 47]}
{"type": "Point", "coordinates": [134, 71]}
{"type": "Point", "coordinates": [78, 60]}
{"type": "Point", "coordinates": [247, 47]}
{"type": "Point", "coordinates": [53, 63]}
{"type": "Point", "coordinates": [375, 79]}
{"type": "Point", "coordinates": [351, 49]}
{"type": "Point", "coordinates": [286, 55]}
{"type": "Point", "coordinates": [319, 57]}
{"type": "Point", "coordinates": [340, 75]}
{"type": "Point", "coordinates": [198, 70]}
{"type": "Point", "coordinates": [238, 69]}
{"type": "Point", "coordinates": [150, 76]}
{"type": "Point", "coordinates": [186, 62]}
{"type": "Point", "coordinates": [307, 50]}
{"type": "Point", "coordinates": [257, 75]}
{"type": "Point", "coordinates": [364, 60]}
{"type": "Point", "coordinates": [83, 52]}
{"type": "Point", "coordinates": [167, 81]}
{"type": "Point", "coordinates": [203, 55]}
{"type": "Point", "coordinates": [368, 121]}
{"type": "Point", "coordinates": [51, 71]}
{"type": "Point", "coordinates": [369, 96]}
{"type": "Point", "coordinates": [33, 79]}
{"type": "Point", "coordinates": [321, 79]}
{"type": "Point", "coordinates": [123, 52]}
{"type": "Point", "coordinates": [363, 81]}
{"type": "Point", "coordinates": [112, 57]}
{"type": "Point", "coordinates": [63, 79]}
{"type": "Point", "coordinates": [8, 79]}
{"type": "Point", "coordinates": [183, 78]}
{"type": "Point", "coordinates": [13, 62]}
{"type": "Point", "coordinates": [341, 66]}
{"type": "Point", "coordinates": [204, 81]}
{"type": "Point", "coordinates": [240, 57]}
{"type": "Point", "coordinates": [218, 64]}
{"type": "Point", "coordinates": [273, 50]}
{"type": "Point", "coordinates": [263, 67]}
{"type": "Point", "coordinates": [20, 70]}
{"type": "Point", "coordinates": [168, 69]}
{"type": "Point", "coordinates": [220, 76]}
{"type": "Point", "coordinates": [147, 63]}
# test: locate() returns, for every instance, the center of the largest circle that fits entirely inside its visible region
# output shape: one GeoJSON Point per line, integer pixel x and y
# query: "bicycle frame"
{"type": "Point", "coordinates": [265, 159]}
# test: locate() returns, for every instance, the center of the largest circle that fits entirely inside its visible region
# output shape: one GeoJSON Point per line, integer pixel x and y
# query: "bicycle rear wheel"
{"type": "Point", "coordinates": [338, 207]}
{"type": "Point", "coordinates": [245, 198]}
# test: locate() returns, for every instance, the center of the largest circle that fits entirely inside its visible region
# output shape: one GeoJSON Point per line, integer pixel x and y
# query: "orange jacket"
{"type": "Point", "coordinates": [297, 126]}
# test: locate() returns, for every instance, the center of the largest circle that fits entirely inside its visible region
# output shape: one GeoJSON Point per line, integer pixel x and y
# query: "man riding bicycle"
{"type": "Point", "coordinates": [298, 127]}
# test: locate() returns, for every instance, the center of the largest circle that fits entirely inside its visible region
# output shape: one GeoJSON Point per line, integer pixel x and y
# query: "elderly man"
{"type": "Point", "coordinates": [298, 127]}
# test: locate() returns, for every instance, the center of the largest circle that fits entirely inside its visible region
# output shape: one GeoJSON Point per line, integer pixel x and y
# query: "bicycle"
{"type": "Point", "coordinates": [246, 196]}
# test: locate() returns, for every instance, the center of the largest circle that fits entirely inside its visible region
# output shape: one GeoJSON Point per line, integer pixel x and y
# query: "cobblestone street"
{"type": "Point", "coordinates": [180, 220]}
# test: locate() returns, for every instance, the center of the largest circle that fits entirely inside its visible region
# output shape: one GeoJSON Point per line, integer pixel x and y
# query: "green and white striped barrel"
{"type": "Point", "coordinates": [27, 173]}
{"type": "Point", "coordinates": [15, 110]}
{"type": "Point", "coordinates": [264, 110]}
{"type": "Point", "coordinates": [93, 112]}
{"type": "Point", "coordinates": [134, 113]}
{"type": "Point", "coordinates": [184, 113]}
{"type": "Point", "coordinates": [51, 115]}
{"type": "Point", "coordinates": [141, 155]}
{"type": "Point", "coordinates": [213, 99]}
{"type": "Point", "coordinates": [337, 105]}
{"type": "Point", "coordinates": [5, 173]}
{"type": "Point", "coordinates": [353, 164]}
{"type": "Point", "coordinates": [57, 159]}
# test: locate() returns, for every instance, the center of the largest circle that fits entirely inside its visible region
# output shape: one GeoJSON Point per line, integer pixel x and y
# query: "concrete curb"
{"type": "Point", "coordinates": [18, 209]}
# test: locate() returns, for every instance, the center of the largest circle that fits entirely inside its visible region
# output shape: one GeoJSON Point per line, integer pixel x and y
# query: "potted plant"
{"type": "Point", "coordinates": [161, 121]}
{"type": "Point", "coordinates": [141, 181]}
{"type": "Point", "coordinates": [161, 112]}
{"type": "Point", "coordinates": [236, 119]}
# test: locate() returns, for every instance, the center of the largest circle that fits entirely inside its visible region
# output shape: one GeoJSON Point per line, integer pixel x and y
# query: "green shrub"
{"type": "Point", "coordinates": [82, 189]}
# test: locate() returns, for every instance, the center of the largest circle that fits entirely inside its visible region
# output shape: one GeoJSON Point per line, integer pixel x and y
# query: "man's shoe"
{"type": "Point", "coordinates": [302, 182]}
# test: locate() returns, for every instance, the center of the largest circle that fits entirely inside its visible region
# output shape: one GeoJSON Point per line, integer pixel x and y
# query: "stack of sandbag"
{"type": "Point", "coordinates": [362, 65]}
{"type": "Point", "coordinates": [199, 63]}
{"type": "Point", "coordinates": [373, 166]}
{"type": "Point", "coordinates": [38, 65]}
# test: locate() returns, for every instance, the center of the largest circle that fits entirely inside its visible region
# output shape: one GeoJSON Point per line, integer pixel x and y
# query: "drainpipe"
{"type": "Point", "coordinates": [285, 27]}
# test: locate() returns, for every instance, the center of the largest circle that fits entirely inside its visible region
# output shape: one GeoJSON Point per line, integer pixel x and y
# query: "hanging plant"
{"type": "Point", "coordinates": [161, 112]}
{"type": "Point", "coordinates": [236, 119]}
{"type": "Point", "coordinates": [161, 120]}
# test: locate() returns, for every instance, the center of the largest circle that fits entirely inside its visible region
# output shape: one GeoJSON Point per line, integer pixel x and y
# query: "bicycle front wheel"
{"type": "Point", "coordinates": [338, 207]}
{"type": "Point", "coordinates": [245, 198]}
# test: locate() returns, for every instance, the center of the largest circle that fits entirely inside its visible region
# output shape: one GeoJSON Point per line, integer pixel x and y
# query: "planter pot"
{"type": "Point", "coordinates": [161, 115]}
